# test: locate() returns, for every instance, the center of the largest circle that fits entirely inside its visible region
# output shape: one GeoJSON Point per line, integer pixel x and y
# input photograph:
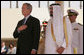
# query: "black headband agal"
{"type": "Point", "coordinates": [55, 4]}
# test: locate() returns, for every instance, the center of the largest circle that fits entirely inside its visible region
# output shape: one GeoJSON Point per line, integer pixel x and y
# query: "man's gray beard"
{"type": "Point", "coordinates": [51, 15]}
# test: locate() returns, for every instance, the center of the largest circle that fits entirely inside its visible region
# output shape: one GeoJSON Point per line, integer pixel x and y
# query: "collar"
{"type": "Point", "coordinates": [27, 17]}
{"type": "Point", "coordinates": [73, 23]}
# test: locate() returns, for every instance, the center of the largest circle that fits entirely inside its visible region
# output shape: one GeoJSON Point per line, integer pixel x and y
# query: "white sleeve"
{"type": "Point", "coordinates": [81, 40]}
{"type": "Point", "coordinates": [64, 44]}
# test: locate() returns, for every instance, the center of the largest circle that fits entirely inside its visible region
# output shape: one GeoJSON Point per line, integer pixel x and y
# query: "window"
{"type": "Point", "coordinates": [13, 4]}
{"type": "Point", "coordinates": [33, 3]}
{"type": "Point", "coordinates": [5, 4]}
{"type": "Point", "coordinates": [43, 4]}
{"type": "Point", "coordinates": [82, 4]}
{"type": "Point", "coordinates": [66, 4]}
{"type": "Point", "coordinates": [50, 2]}
{"type": "Point", "coordinates": [75, 4]}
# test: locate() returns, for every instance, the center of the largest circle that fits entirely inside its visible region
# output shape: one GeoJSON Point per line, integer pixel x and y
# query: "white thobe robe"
{"type": "Point", "coordinates": [50, 45]}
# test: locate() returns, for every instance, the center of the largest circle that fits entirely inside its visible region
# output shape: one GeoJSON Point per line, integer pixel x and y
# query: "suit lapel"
{"type": "Point", "coordinates": [28, 20]}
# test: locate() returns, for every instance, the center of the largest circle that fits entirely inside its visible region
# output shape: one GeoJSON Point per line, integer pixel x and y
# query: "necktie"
{"type": "Point", "coordinates": [24, 21]}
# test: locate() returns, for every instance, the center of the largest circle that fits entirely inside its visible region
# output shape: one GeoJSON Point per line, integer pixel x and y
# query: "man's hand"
{"type": "Point", "coordinates": [22, 27]}
{"type": "Point", "coordinates": [3, 51]}
{"type": "Point", "coordinates": [33, 52]}
{"type": "Point", "coordinates": [60, 50]}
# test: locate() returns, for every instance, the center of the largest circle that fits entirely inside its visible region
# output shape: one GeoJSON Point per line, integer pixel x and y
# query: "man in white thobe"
{"type": "Point", "coordinates": [77, 40]}
{"type": "Point", "coordinates": [55, 40]}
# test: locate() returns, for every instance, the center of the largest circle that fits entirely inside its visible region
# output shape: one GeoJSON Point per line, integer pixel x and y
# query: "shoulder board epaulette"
{"type": "Point", "coordinates": [80, 24]}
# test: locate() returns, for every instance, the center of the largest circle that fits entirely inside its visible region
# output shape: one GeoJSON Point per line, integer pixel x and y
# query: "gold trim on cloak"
{"type": "Point", "coordinates": [65, 32]}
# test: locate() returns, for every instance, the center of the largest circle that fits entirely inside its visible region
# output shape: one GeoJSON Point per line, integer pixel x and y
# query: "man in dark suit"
{"type": "Point", "coordinates": [27, 32]}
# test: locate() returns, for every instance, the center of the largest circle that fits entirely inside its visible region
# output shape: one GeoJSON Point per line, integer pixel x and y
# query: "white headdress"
{"type": "Point", "coordinates": [58, 25]}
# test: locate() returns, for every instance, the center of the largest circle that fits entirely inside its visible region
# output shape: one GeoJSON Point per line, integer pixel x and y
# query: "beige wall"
{"type": "Point", "coordinates": [10, 17]}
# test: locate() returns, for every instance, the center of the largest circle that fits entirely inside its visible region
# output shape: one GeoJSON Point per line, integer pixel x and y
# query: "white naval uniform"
{"type": "Point", "coordinates": [77, 40]}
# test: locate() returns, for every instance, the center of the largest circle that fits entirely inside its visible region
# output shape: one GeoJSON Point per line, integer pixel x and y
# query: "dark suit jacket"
{"type": "Point", "coordinates": [28, 39]}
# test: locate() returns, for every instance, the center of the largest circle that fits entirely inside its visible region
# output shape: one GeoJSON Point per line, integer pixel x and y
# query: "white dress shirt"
{"type": "Point", "coordinates": [26, 18]}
